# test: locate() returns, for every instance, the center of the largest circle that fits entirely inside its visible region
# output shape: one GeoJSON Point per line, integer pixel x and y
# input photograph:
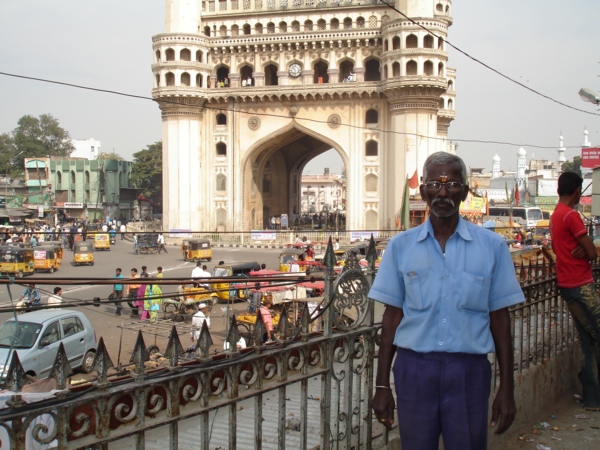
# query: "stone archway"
{"type": "Point", "coordinates": [272, 172]}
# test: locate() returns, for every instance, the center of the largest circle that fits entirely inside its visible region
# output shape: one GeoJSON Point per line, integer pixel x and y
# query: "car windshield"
{"type": "Point", "coordinates": [19, 334]}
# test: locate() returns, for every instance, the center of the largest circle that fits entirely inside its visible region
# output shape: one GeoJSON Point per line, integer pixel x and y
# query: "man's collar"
{"type": "Point", "coordinates": [461, 229]}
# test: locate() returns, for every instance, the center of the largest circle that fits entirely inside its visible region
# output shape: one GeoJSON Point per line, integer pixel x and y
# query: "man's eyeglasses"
{"type": "Point", "coordinates": [451, 186]}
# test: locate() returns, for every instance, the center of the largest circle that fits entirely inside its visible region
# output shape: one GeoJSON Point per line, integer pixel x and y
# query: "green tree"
{"type": "Point", "coordinates": [7, 153]}
{"type": "Point", "coordinates": [109, 156]}
{"type": "Point", "coordinates": [572, 166]}
{"type": "Point", "coordinates": [146, 174]}
{"type": "Point", "coordinates": [40, 137]}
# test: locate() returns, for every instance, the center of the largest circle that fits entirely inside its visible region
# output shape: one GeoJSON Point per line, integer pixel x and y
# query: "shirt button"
{"type": "Point", "coordinates": [440, 343]}
{"type": "Point", "coordinates": [444, 320]}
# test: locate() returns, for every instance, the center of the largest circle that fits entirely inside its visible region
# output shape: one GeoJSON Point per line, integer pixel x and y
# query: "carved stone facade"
{"type": "Point", "coordinates": [252, 90]}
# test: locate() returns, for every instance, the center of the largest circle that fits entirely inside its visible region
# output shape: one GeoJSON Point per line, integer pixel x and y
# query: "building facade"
{"type": "Point", "coordinates": [250, 91]}
{"type": "Point", "coordinates": [79, 188]}
{"type": "Point", "coordinates": [86, 148]}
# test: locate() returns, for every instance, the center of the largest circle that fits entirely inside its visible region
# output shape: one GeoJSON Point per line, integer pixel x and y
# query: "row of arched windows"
{"type": "Point", "coordinates": [185, 54]}
{"type": "Point", "coordinates": [295, 26]}
{"type": "Point", "coordinates": [412, 68]}
{"type": "Point", "coordinates": [412, 41]}
{"type": "Point", "coordinates": [320, 75]}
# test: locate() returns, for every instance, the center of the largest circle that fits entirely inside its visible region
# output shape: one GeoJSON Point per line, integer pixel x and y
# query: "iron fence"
{"type": "Point", "coordinates": [307, 390]}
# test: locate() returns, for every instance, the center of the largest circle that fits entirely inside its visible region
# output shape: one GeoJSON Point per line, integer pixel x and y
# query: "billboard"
{"type": "Point", "coordinates": [590, 157]}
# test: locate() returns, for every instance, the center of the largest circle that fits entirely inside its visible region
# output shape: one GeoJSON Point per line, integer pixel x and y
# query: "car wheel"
{"type": "Point", "coordinates": [51, 270]}
{"type": "Point", "coordinates": [88, 361]}
{"type": "Point", "coordinates": [209, 259]}
{"type": "Point", "coordinates": [92, 263]}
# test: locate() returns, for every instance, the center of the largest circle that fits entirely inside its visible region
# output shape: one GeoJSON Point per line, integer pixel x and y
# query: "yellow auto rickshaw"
{"type": "Point", "coordinates": [102, 241]}
{"type": "Point", "coordinates": [196, 249]}
{"type": "Point", "coordinates": [83, 253]}
{"type": "Point", "coordinates": [47, 258]}
{"type": "Point", "coordinates": [226, 291]}
{"type": "Point", "coordinates": [541, 232]}
{"type": "Point", "coordinates": [292, 260]}
{"type": "Point", "coordinates": [16, 260]}
{"type": "Point", "coordinates": [380, 250]}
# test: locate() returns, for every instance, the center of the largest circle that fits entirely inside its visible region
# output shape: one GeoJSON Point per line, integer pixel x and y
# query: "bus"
{"type": "Point", "coordinates": [526, 216]}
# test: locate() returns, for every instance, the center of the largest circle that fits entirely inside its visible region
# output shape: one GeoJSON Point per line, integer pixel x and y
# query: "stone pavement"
{"type": "Point", "coordinates": [566, 426]}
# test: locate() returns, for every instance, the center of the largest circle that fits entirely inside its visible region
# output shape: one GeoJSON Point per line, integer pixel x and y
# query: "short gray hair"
{"type": "Point", "coordinates": [443, 158]}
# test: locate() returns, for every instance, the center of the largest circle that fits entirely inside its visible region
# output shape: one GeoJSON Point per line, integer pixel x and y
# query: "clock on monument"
{"type": "Point", "coordinates": [295, 70]}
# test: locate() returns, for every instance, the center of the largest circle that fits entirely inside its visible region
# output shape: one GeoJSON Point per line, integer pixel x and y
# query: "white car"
{"type": "Point", "coordinates": [36, 337]}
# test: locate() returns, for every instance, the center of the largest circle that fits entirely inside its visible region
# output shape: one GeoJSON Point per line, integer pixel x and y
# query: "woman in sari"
{"type": "Point", "coordinates": [153, 300]}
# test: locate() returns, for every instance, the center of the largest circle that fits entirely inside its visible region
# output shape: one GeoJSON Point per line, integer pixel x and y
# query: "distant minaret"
{"type": "Point", "coordinates": [496, 166]}
{"type": "Point", "coordinates": [586, 142]}
{"type": "Point", "coordinates": [561, 152]}
{"type": "Point", "coordinates": [521, 165]}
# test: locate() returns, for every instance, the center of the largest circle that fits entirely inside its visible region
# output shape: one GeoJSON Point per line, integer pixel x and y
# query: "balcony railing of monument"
{"type": "Point", "coordinates": [318, 238]}
{"type": "Point", "coordinates": [318, 384]}
{"type": "Point", "coordinates": [237, 6]}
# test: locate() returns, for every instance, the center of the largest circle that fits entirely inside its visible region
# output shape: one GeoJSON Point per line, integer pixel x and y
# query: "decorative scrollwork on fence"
{"type": "Point", "coordinates": [349, 298]}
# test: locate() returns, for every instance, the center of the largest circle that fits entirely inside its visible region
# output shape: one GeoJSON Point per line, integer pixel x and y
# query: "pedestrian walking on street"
{"type": "Point", "coordinates": [161, 243]}
{"type": "Point", "coordinates": [265, 312]}
{"type": "Point", "coordinates": [135, 244]}
{"type": "Point", "coordinates": [447, 286]}
{"type": "Point", "coordinates": [117, 293]}
{"type": "Point", "coordinates": [56, 299]}
{"type": "Point", "coordinates": [159, 272]}
{"type": "Point", "coordinates": [133, 294]}
{"type": "Point", "coordinates": [122, 230]}
{"type": "Point", "coordinates": [140, 302]}
{"type": "Point", "coordinates": [201, 316]}
{"type": "Point", "coordinates": [144, 272]}
{"type": "Point", "coordinates": [574, 250]}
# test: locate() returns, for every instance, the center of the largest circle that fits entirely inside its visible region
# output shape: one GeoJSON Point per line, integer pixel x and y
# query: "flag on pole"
{"type": "Point", "coordinates": [413, 183]}
{"type": "Point", "coordinates": [487, 204]}
{"type": "Point", "coordinates": [405, 214]}
{"type": "Point", "coordinates": [517, 194]}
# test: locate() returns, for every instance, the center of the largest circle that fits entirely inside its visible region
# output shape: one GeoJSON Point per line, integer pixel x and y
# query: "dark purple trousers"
{"type": "Point", "coordinates": [442, 393]}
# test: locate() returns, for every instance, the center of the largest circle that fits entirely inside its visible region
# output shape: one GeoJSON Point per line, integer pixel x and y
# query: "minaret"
{"type": "Point", "coordinates": [561, 152]}
{"type": "Point", "coordinates": [586, 142]}
{"type": "Point", "coordinates": [521, 167]}
{"type": "Point", "coordinates": [521, 163]}
{"type": "Point", "coordinates": [496, 166]}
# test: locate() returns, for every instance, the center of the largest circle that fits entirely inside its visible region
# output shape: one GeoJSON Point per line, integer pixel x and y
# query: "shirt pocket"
{"type": "Point", "coordinates": [475, 293]}
{"type": "Point", "coordinates": [418, 290]}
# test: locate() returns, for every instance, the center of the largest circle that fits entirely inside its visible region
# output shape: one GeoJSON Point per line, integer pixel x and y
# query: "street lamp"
{"type": "Point", "coordinates": [587, 95]}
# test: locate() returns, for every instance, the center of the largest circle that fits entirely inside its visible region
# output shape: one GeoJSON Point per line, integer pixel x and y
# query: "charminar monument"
{"type": "Point", "coordinates": [251, 90]}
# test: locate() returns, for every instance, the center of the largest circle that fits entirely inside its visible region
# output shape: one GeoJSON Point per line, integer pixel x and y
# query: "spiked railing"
{"type": "Point", "coordinates": [324, 380]}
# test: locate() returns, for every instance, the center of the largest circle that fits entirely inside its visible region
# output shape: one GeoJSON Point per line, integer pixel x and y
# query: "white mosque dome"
{"type": "Point", "coordinates": [521, 152]}
{"type": "Point", "coordinates": [496, 158]}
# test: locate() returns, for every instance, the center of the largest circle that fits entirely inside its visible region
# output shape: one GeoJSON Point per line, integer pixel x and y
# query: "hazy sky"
{"type": "Point", "coordinates": [552, 46]}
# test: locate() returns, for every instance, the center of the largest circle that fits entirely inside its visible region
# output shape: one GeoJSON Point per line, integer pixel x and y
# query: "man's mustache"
{"type": "Point", "coordinates": [442, 200]}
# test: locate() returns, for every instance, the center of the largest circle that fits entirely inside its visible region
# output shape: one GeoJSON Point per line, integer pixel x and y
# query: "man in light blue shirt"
{"type": "Point", "coordinates": [447, 286]}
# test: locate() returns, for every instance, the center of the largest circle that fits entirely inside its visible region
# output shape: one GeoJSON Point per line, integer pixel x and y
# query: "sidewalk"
{"type": "Point", "coordinates": [567, 426]}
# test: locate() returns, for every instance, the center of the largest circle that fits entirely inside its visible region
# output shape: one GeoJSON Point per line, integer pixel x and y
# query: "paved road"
{"type": "Point", "coordinates": [104, 320]}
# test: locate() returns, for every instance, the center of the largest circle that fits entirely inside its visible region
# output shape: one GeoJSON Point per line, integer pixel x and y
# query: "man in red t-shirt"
{"type": "Point", "coordinates": [574, 250]}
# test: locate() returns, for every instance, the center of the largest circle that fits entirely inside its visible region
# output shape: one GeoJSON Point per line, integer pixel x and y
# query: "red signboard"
{"type": "Point", "coordinates": [590, 157]}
